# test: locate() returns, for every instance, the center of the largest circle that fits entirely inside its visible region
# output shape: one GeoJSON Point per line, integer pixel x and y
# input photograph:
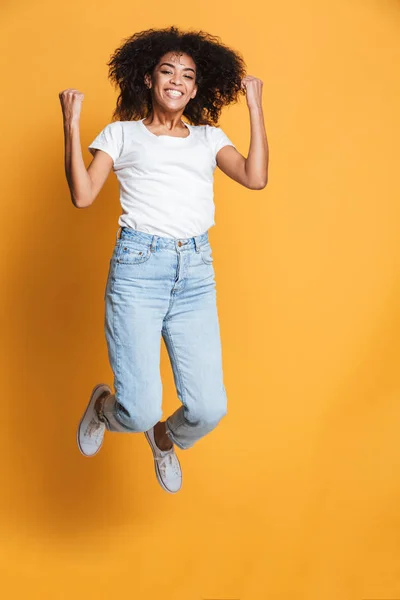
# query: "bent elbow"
{"type": "Point", "coordinates": [258, 186]}
{"type": "Point", "coordinates": [81, 203]}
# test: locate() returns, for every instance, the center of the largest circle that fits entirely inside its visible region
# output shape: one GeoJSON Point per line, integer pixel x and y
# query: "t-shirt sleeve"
{"type": "Point", "coordinates": [109, 140]}
{"type": "Point", "coordinates": [219, 139]}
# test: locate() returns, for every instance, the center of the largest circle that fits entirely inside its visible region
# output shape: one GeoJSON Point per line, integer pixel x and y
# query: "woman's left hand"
{"type": "Point", "coordinates": [253, 87]}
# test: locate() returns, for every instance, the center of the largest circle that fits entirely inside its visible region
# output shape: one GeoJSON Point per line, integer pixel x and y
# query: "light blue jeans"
{"type": "Point", "coordinates": [163, 287]}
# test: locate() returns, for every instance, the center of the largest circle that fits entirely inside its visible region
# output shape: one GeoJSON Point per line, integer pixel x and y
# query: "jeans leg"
{"type": "Point", "coordinates": [192, 336]}
{"type": "Point", "coordinates": [135, 305]}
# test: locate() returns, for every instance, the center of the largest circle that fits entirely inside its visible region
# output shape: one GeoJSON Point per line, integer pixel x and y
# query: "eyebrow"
{"type": "Point", "coordinates": [173, 66]}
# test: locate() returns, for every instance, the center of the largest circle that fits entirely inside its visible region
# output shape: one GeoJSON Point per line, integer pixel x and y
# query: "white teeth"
{"type": "Point", "coordinates": [174, 93]}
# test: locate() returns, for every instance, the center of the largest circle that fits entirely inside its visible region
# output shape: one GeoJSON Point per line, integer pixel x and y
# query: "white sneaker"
{"type": "Point", "coordinates": [90, 433]}
{"type": "Point", "coordinates": [167, 466]}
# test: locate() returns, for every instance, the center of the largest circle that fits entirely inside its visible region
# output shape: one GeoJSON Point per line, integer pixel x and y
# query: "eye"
{"type": "Point", "coordinates": [170, 72]}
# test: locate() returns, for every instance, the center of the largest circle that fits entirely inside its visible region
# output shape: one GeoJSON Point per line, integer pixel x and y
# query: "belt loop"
{"type": "Point", "coordinates": [197, 242]}
{"type": "Point", "coordinates": [153, 243]}
{"type": "Point", "coordinates": [119, 229]}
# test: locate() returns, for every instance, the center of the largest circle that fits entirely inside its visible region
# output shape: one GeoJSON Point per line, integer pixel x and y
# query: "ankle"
{"type": "Point", "coordinates": [161, 437]}
{"type": "Point", "coordinates": [99, 404]}
{"type": "Point", "coordinates": [165, 445]}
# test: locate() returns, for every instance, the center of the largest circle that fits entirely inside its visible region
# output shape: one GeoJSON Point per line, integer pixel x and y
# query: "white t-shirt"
{"type": "Point", "coordinates": [165, 183]}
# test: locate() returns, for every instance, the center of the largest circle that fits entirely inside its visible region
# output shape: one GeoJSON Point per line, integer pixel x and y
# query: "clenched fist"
{"type": "Point", "coordinates": [71, 104]}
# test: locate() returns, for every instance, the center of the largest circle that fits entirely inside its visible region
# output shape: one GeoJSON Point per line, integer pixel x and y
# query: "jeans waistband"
{"type": "Point", "coordinates": [161, 241]}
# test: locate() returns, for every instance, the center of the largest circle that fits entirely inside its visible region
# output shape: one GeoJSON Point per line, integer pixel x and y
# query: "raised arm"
{"type": "Point", "coordinates": [252, 172]}
{"type": "Point", "coordinates": [84, 184]}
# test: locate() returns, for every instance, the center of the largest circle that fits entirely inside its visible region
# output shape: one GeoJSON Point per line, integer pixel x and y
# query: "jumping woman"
{"type": "Point", "coordinates": [161, 275]}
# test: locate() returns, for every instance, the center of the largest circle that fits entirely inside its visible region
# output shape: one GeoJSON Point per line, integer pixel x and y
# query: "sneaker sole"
{"type": "Point", "coordinates": [158, 475]}
{"type": "Point", "coordinates": [93, 398]}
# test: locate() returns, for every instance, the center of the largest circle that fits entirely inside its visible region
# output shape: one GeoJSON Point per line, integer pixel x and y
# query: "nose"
{"type": "Point", "coordinates": [176, 80]}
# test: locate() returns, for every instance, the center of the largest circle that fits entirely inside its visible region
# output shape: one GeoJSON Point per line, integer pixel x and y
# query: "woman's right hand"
{"type": "Point", "coordinates": [71, 104]}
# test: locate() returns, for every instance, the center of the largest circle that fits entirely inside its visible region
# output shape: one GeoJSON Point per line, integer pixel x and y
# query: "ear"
{"type": "Point", "coordinates": [147, 80]}
{"type": "Point", "coordinates": [195, 92]}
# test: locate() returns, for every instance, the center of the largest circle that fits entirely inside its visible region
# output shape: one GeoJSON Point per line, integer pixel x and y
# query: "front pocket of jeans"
{"type": "Point", "coordinates": [206, 254]}
{"type": "Point", "coordinates": [128, 255]}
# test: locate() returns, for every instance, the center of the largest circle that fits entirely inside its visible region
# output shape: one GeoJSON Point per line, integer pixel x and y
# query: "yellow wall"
{"type": "Point", "coordinates": [295, 496]}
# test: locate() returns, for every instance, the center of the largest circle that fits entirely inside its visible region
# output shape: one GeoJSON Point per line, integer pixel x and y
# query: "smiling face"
{"type": "Point", "coordinates": [173, 82]}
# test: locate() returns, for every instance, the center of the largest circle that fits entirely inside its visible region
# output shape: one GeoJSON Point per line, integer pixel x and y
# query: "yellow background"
{"type": "Point", "coordinates": [296, 495]}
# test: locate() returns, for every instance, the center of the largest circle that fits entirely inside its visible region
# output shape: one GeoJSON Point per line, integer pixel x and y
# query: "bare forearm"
{"type": "Point", "coordinates": [78, 178]}
{"type": "Point", "coordinates": [258, 156]}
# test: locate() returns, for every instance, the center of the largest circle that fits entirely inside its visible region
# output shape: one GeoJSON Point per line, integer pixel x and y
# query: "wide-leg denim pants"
{"type": "Point", "coordinates": [160, 287]}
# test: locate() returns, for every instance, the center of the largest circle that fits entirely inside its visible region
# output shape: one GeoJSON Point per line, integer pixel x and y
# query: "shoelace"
{"type": "Point", "coordinates": [168, 460]}
{"type": "Point", "coordinates": [94, 430]}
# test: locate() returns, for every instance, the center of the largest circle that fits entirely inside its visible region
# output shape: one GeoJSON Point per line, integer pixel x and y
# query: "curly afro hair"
{"type": "Point", "coordinates": [219, 73]}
